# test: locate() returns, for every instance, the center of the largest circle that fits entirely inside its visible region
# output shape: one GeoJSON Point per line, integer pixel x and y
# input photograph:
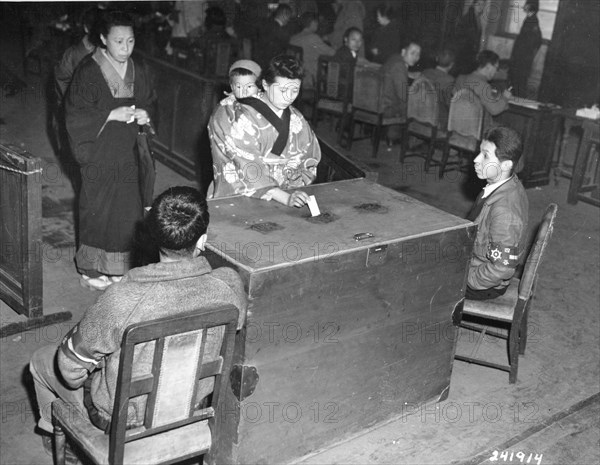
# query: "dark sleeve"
{"type": "Point", "coordinates": [85, 116]}
{"type": "Point", "coordinates": [504, 241]}
{"type": "Point", "coordinates": [63, 72]}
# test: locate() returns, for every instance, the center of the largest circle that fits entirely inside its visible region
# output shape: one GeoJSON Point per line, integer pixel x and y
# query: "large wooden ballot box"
{"type": "Point", "coordinates": [349, 320]}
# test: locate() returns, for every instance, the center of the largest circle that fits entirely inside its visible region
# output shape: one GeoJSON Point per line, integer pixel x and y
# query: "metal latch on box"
{"type": "Point", "coordinates": [376, 255]}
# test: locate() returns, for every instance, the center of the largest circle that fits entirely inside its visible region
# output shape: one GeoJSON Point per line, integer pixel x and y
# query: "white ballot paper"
{"type": "Point", "coordinates": [312, 206]}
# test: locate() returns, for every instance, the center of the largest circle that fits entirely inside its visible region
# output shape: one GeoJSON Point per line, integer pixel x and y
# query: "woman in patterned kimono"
{"type": "Point", "coordinates": [261, 144]}
{"type": "Point", "coordinates": [107, 100]}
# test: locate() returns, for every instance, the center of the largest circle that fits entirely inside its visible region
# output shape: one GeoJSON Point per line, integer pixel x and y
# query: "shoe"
{"type": "Point", "coordinates": [97, 284]}
{"type": "Point", "coordinates": [70, 456]}
{"type": "Point", "coordinates": [115, 279]}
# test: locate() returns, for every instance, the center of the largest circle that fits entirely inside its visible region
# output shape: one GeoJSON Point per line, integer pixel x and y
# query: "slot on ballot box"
{"type": "Point", "coordinates": [340, 332]}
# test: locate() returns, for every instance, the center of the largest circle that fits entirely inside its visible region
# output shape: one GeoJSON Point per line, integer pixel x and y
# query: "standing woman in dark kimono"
{"type": "Point", "coordinates": [107, 101]}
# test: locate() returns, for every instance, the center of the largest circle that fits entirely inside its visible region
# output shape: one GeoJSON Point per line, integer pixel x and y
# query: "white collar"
{"type": "Point", "coordinates": [487, 190]}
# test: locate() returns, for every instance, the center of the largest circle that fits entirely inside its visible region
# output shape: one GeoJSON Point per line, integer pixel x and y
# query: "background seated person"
{"type": "Point", "coordinates": [501, 212]}
{"type": "Point", "coordinates": [443, 83]}
{"type": "Point", "coordinates": [493, 101]}
{"type": "Point", "coordinates": [353, 42]}
{"type": "Point", "coordinates": [312, 47]}
{"type": "Point", "coordinates": [181, 282]}
{"type": "Point", "coordinates": [261, 145]}
{"type": "Point", "coordinates": [396, 83]}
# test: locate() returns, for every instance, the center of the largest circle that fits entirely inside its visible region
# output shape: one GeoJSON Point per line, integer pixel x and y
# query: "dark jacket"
{"type": "Point", "coordinates": [395, 86]}
{"type": "Point", "coordinates": [501, 233]}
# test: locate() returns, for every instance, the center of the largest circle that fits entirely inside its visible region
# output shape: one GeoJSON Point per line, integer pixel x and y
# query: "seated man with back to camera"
{"type": "Point", "coordinates": [501, 213]}
{"type": "Point", "coordinates": [82, 371]}
{"type": "Point", "coordinates": [443, 82]}
{"type": "Point", "coordinates": [478, 82]}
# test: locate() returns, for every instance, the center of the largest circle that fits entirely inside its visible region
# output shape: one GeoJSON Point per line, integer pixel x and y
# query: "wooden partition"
{"type": "Point", "coordinates": [21, 231]}
{"type": "Point", "coordinates": [184, 104]}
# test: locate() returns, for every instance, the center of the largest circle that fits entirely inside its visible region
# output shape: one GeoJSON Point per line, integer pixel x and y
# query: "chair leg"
{"type": "Point", "coordinates": [523, 330]}
{"type": "Point", "coordinates": [513, 354]}
{"type": "Point", "coordinates": [445, 156]}
{"type": "Point", "coordinates": [351, 130]}
{"type": "Point", "coordinates": [376, 139]}
{"type": "Point", "coordinates": [403, 143]}
{"type": "Point", "coordinates": [343, 120]}
{"type": "Point", "coordinates": [59, 445]}
{"type": "Point", "coordinates": [431, 149]}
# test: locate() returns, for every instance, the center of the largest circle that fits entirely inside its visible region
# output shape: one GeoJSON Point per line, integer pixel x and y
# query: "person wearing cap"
{"type": "Point", "coordinates": [243, 75]}
{"type": "Point", "coordinates": [261, 146]}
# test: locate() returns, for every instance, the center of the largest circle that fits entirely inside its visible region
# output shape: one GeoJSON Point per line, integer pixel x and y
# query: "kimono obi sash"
{"type": "Point", "coordinates": [282, 125]}
{"type": "Point", "coordinates": [119, 87]}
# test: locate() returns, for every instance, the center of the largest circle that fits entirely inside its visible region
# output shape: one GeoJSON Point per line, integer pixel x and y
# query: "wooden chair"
{"type": "Point", "coordinates": [423, 116]}
{"type": "Point", "coordinates": [465, 123]}
{"type": "Point", "coordinates": [333, 90]}
{"type": "Point", "coordinates": [509, 311]}
{"type": "Point", "coordinates": [190, 351]}
{"type": "Point", "coordinates": [367, 108]}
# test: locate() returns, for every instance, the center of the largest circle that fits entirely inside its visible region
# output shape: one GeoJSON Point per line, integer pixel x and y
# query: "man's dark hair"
{"type": "Point", "coordinates": [487, 57]}
{"type": "Point", "coordinates": [408, 41]}
{"type": "Point", "coordinates": [115, 18]}
{"type": "Point", "coordinates": [306, 19]}
{"type": "Point", "coordinates": [445, 58]}
{"type": "Point", "coordinates": [532, 5]}
{"type": "Point", "coordinates": [283, 66]}
{"type": "Point", "coordinates": [178, 218]}
{"type": "Point", "coordinates": [350, 30]}
{"type": "Point", "coordinates": [215, 16]}
{"type": "Point", "coordinates": [386, 10]}
{"type": "Point", "coordinates": [283, 11]}
{"type": "Point", "coordinates": [509, 145]}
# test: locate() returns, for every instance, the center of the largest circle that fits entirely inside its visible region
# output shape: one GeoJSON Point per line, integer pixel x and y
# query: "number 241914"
{"type": "Point", "coordinates": [521, 457]}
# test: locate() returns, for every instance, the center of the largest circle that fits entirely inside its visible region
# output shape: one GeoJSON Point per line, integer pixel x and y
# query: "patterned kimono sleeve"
{"type": "Point", "coordinates": [236, 146]}
{"type": "Point", "coordinates": [303, 146]}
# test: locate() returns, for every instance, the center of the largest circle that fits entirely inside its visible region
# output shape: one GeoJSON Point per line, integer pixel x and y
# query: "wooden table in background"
{"type": "Point", "coordinates": [539, 127]}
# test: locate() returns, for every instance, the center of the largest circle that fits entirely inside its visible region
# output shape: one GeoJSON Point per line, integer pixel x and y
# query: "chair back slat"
{"type": "Point", "coordinates": [334, 79]}
{"type": "Point", "coordinates": [466, 114]}
{"type": "Point", "coordinates": [183, 345]}
{"type": "Point", "coordinates": [175, 389]}
{"type": "Point", "coordinates": [423, 104]}
{"type": "Point", "coordinates": [536, 253]}
{"type": "Point", "coordinates": [158, 347]}
{"type": "Point", "coordinates": [368, 86]}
